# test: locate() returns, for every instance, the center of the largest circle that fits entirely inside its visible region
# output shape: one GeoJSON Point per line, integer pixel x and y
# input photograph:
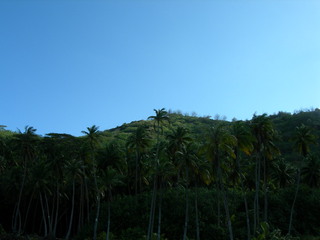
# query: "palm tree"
{"type": "Point", "coordinates": [311, 172]}
{"type": "Point", "coordinates": [93, 136]}
{"type": "Point", "coordinates": [220, 147]}
{"type": "Point", "coordinates": [245, 145]}
{"type": "Point", "coordinates": [41, 180]}
{"type": "Point", "coordinates": [187, 160]}
{"type": "Point", "coordinates": [282, 173]}
{"type": "Point", "coordinates": [178, 139]}
{"type": "Point", "coordinates": [159, 118]}
{"type": "Point", "coordinates": [57, 148]}
{"type": "Point", "coordinates": [139, 141]}
{"type": "Point", "coordinates": [75, 170]}
{"type": "Point", "coordinates": [25, 142]}
{"type": "Point", "coordinates": [303, 138]}
{"type": "Point", "coordinates": [264, 148]}
{"type": "Point", "coordinates": [110, 178]}
{"type": "Point", "coordinates": [165, 172]}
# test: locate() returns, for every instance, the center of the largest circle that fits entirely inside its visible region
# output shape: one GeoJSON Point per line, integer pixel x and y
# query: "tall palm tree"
{"type": "Point", "coordinates": [303, 138]}
{"type": "Point", "coordinates": [41, 181]}
{"type": "Point", "coordinates": [264, 148]}
{"type": "Point", "coordinates": [201, 175]}
{"type": "Point", "coordinates": [220, 146]}
{"type": "Point", "coordinates": [244, 144]}
{"type": "Point", "coordinates": [57, 149]}
{"type": "Point", "coordinates": [178, 140]}
{"type": "Point", "coordinates": [165, 173]}
{"type": "Point", "coordinates": [139, 141]}
{"type": "Point", "coordinates": [25, 143]}
{"type": "Point", "coordinates": [75, 171]}
{"type": "Point", "coordinates": [187, 160]}
{"type": "Point", "coordinates": [110, 178]}
{"type": "Point", "coordinates": [159, 118]}
{"type": "Point", "coordinates": [93, 136]}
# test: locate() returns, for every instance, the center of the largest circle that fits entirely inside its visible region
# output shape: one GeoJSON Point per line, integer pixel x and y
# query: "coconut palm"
{"type": "Point", "coordinates": [202, 176]}
{"type": "Point", "coordinates": [282, 173]}
{"type": "Point", "coordinates": [25, 144]}
{"type": "Point", "coordinates": [310, 173]}
{"type": "Point", "coordinates": [93, 136]}
{"type": "Point", "coordinates": [159, 118]}
{"type": "Point", "coordinates": [165, 172]}
{"type": "Point", "coordinates": [110, 178]}
{"type": "Point", "coordinates": [264, 149]}
{"type": "Point", "coordinates": [41, 181]}
{"type": "Point", "coordinates": [74, 168]}
{"type": "Point", "coordinates": [187, 161]}
{"type": "Point", "coordinates": [57, 148]}
{"type": "Point", "coordinates": [220, 147]}
{"type": "Point", "coordinates": [303, 138]}
{"type": "Point", "coordinates": [178, 139]}
{"type": "Point", "coordinates": [139, 141]}
{"type": "Point", "coordinates": [244, 144]}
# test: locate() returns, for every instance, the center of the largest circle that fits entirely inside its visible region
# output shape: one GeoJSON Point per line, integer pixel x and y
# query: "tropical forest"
{"type": "Point", "coordinates": [172, 176]}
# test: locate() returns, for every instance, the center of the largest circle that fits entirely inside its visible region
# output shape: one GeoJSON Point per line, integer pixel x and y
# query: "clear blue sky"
{"type": "Point", "coordinates": [66, 65]}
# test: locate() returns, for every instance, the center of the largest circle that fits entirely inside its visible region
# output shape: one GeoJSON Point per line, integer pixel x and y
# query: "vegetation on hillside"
{"type": "Point", "coordinates": [171, 177]}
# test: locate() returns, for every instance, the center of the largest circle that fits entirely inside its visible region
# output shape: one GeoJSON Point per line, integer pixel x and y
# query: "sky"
{"type": "Point", "coordinates": [66, 65]}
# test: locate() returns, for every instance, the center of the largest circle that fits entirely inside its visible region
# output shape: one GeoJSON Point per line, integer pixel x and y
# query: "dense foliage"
{"type": "Point", "coordinates": [172, 177]}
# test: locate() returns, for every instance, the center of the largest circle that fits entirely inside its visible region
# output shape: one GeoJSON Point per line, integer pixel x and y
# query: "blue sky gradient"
{"type": "Point", "coordinates": [66, 65]}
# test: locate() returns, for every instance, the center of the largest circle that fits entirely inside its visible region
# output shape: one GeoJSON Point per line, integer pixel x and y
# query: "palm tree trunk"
{"type": "Point", "coordinates": [186, 220]}
{"type": "Point", "coordinates": [109, 214]}
{"type": "Point", "coordinates": [152, 209]}
{"type": "Point", "coordinates": [154, 195]}
{"type": "Point", "coordinates": [294, 200]}
{"type": "Point", "coordinates": [28, 210]}
{"type": "Point", "coordinates": [72, 209]}
{"type": "Point", "coordinates": [87, 199]}
{"type": "Point", "coordinates": [44, 216]}
{"type": "Point", "coordinates": [265, 189]}
{"type": "Point", "coordinates": [218, 207]}
{"type": "Point", "coordinates": [48, 216]}
{"type": "Point", "coordinates": [197, 213]}
{"type": "Point", "coordinates": [256, 198]}
{"type": "Point", "coordinates": [225, 203]}
{"type": "Point", "coordinates": [247, 216]}
{"type": "Point", "coordinates": [96, 220]}
{"type": "Point", "coordinates": [136, 173]}
{"type": "Point", "coordinates": [16, 214]}
{"type": "Point", "coordinates": [226, 207]}
{"type": "Point", "coordinates": [160, 212]}
{"type": "Point", "coordinates": [244, 196]}
{"type": "Point", "coordinates": [81, 215]}
{"type": "Point", "coordinates": [57, 212]}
